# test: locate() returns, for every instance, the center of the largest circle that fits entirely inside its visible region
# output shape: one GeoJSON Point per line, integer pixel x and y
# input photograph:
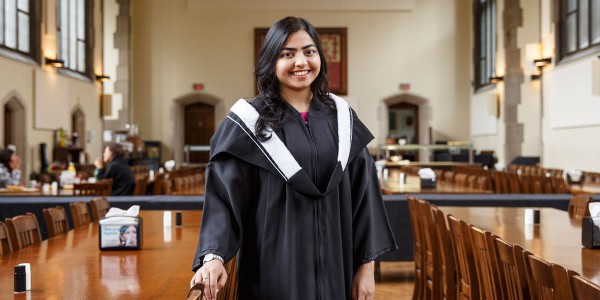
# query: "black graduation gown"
{"type": "Point", "coordinates": [304, 208]}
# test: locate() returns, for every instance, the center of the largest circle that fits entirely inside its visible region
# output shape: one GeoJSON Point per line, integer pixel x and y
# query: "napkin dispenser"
{"type": "Point", "coordinates": [120, 230]}
{"type": "Point", "coordinates": [427, 176]}
{"type": "Point", "coordinates": [590, 232]}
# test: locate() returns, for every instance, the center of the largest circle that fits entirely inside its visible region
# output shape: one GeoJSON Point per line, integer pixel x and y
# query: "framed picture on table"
{"type": "Point", "coordinates": [333, 42]}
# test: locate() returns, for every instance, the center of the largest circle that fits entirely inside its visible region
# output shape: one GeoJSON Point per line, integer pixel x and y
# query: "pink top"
{"type": "Point", "coordinates": [304, 116]}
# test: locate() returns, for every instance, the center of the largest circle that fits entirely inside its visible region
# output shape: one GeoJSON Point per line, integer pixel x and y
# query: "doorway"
{"type": "Point", "coordinates": [78, 127]}
{"type": "Point", "coordinates": [14, 129]}
{"type": "Point", "coordinates": [404, 123]}
{"type": "Point", "coordinates": [199, 125]}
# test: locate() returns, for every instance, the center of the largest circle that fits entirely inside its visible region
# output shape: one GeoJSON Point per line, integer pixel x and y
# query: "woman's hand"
{"type": "Point", "coordinates": [363, 284]}
{"type": "Point", "coordinates": [213, 275]}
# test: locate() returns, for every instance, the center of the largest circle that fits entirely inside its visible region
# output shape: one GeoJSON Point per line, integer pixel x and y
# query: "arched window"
{"type": "Point", "coordinates": [578, 27]}
{"type": "Point", "coordinates": [20, 29]}
{"type": "Point", "coordinates": [74, 29]}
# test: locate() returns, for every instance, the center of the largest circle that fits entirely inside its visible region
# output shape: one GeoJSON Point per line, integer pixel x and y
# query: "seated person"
{"type": "Point", "coordinates": [117, 169]}
{"type": "Point", "coordinates": [10, 174]}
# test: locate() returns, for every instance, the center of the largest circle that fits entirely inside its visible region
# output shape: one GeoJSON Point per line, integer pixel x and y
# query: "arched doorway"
{"type": "Point", "coordinates": [14, 129]}
{"type": "Point", "coordinates": [199, 124]}
{"type": "Point", "coordinates": [78, 126]}
{"type": "Point", "coordinates": [412, 119]}
{"type": "Point", "coordinates": [203, 113]}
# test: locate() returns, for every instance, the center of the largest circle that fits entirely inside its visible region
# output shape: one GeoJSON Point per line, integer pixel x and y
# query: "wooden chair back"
{"type": "Point", "coordinates": [514, 184]}
{"type": "Point", "coordinates": [449, 177]}
{"type": "Point", "coordinates": [584, 289]}
{"type": "Point", "coordinates": [500, 182]}
{"type": "Point", "coordinates": [56, 220]}
{"type": "Point", "coordinates": [141, 185]}
{"type": "Point", "coordinates": [560, 185]}
{"type": "Point", "coordinates": [467, 283]}
{"type": "Point", "coordinates": [23, 231]}
{"type": "Point", "coordinates": [100, 206]}
{"type": "Point", "coordinates": [80, 214]}
{"type": "Point", "coordinates": [431, 251]}
{"type": "Point", "coordinates": [461, 179]}
{"type": "Point", "coordinates": [230, 290]}
{"type": "Point", "coordinates": [579, 206]}
{"type": "Point", "coordinates": [99, 188]}
{"type": "Point", "coordinates": [485, 264]}
{"type": "Point", "coordinates": [448, 266]}
{"type": "Point", "coordinates": [513, 283]}
{"type": "Point", "coordinates": [418, 246]}
{"type": "Point", "coordinates": [5, 244]}
{"type": "Point", "coordinates": [548, 281]}
{"type": "Point", "coordinates": [157, 189]}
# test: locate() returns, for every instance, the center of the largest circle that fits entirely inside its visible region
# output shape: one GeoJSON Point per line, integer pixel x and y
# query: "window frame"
{"type": "Point", "coordinates": [489, 42]}
{"type": "Point", "coordinates": [88, 73]}
{"type": "Point", "coordinates": [562, 55]}
{"type": "Point", "coordinates": [32, 57]}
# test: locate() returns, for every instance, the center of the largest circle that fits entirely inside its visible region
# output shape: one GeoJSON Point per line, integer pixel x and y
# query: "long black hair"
{"type": "Point", "coordinates": [272, 111]}
{"type": "Point", "coordinates": [5, 158]}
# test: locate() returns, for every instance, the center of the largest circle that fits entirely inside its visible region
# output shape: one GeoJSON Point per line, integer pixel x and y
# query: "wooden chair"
{"type": "Point", "coordinates": [100, 188]}
{"type": "Point", "coordinates": [23, 231]}
{"type": "Point", "coordinates": [5, 244]}
{"type": "Point", "coordinates": [500, 182]}
{"type": "Point", "coordinates": [514, 285]}
{"type": "Point", "coordinates": [100, 206]}
{"type": "Point", "coordinates": [141, 185]}
{"type": "Point", "coordinates": [467, 283]}
{"type": "Point", "coordinates": [461, 179]}
{"type": "Point", "coordinates": [418, 246]}
{"type": "Point", "coordinates": [485, 263]}
{"type": "Point", "coordinates": [584, 289]}
{"type": "Point", "coordinates": [448, 266]}
{"type": "Point", "coordinates": [449, 177]}
{"type": "Point", "coordinates": [547, 281]}
{"type": "Point", "coordinates": [560, 185]}
{"type": "Point", "coordinates": [80, 214]}
{"type": "Point", "coordinates": [56, 220]}
{"type": "Point", "coordinates": [514, 184]}
{"type": "Point", "coordinates": [579, 206]}
{"type": "Point", "coordinates": [431, 251]}
{"type": "Point", "coordinates": [547, 184]}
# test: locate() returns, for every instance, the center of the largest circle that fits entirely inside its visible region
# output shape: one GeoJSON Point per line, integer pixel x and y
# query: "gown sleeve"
{"type": "Point", "coordinates": [229, 186]}
{"type": "Point", "coordinates": [371, 229]}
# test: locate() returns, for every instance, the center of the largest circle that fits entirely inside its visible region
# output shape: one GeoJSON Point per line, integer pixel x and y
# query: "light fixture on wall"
{"type": "Point", "coordinates": [536, 76]}
{"type": "Point", "coordinates": [102, 78]}
{"type": "Point", "coordinates": [496, 79]}
{"type": "Point", "coordinates": [55, 62]}
{"type": "Point", "coordinates": [542, 62]}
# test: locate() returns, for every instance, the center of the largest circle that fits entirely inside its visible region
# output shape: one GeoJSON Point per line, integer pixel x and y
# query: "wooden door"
{"type": "Point", "coordinates": [404, 124]}
{"type": "Point", "coordinates": [199, 128]}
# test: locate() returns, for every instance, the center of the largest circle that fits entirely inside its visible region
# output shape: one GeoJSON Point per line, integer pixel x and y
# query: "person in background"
{"type": "Point", "coordinates": [114, 166]}
{"type": "Point", "coordinates": [10, 173]}
{"type": "Point", "coordinates": [291, 185]}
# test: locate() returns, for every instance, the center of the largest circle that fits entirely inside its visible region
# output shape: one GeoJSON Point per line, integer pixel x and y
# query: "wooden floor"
{"type": "Point", "coordinates": [396, 281]}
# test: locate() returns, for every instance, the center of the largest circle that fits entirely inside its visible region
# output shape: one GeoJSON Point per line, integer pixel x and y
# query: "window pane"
{"type": "Point", "coordinates": [595, 21]}
{"type": "Point", "coordinates": [571, 33]}
{"type": "Point", "coordinates": [1, 22]}
{"type": "Point", "coordinates": [583, 24]}
{"type": "Point", "coordinates": [24, 5]}
{"type": "Point", "coordinates": [571, 5]}
{"type": "Point", "coordinates": [64, 32]}
{"type": "Point", "coordinates": [11, 24]}
{"type": "Point", "coordinates": [81, 19]}
{"type": "Point", "coordinates": [72, 34]}
{"type": "Point", "coordinates": [23, 32]}
{"type": "Point", "coordinates": [81, 56]}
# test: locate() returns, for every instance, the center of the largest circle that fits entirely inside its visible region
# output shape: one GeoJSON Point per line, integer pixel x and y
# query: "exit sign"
{"type": "Point", "coordinates": [198, 86]}
{"type": "Point", "coordinates": [405, 86]}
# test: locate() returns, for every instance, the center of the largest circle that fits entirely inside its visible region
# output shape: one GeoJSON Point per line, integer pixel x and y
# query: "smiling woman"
{"type": "Point", "coordinates": [291, 183]}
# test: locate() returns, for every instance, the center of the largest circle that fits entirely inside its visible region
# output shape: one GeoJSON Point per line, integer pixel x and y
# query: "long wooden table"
{"type": "Point", "coordinates": [556, 238]}
{"type": "Point", "coordinates": [393, 185]}
{"type": "Point", "coordinates": [70, 266]}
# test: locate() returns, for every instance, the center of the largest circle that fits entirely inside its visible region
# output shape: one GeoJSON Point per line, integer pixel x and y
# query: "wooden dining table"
{"type": "Point", "coordinates": [585, 188]}
{"type": "Point", "coordinates": [392, 184]}
{"type": "Point", "coordinates": [557, 238]}
{"type": "Point", "coordinates": [71, 266]}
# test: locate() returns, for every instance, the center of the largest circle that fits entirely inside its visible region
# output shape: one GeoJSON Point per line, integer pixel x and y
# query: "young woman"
{"type": "Point", "coordinates": [10, 164]}
{"type": "Point", "coordinates": [128, 236]}
{"type": "Point", "coordinates": [117, 169]}
{"type": "Point", "coordinates": [291, 185]}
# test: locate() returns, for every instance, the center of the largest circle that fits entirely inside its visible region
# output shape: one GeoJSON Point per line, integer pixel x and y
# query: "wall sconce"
{"type": "Point", "coordinates": [102, 78]}
{"type": "Point", "coordinates": [495, 79]}
{"type": "Point", "coordinates": [542, 62]}
{"type": "Point", "coordinates": [57, 63]}
{"type": "Point", "coordinates": [536, 76]}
